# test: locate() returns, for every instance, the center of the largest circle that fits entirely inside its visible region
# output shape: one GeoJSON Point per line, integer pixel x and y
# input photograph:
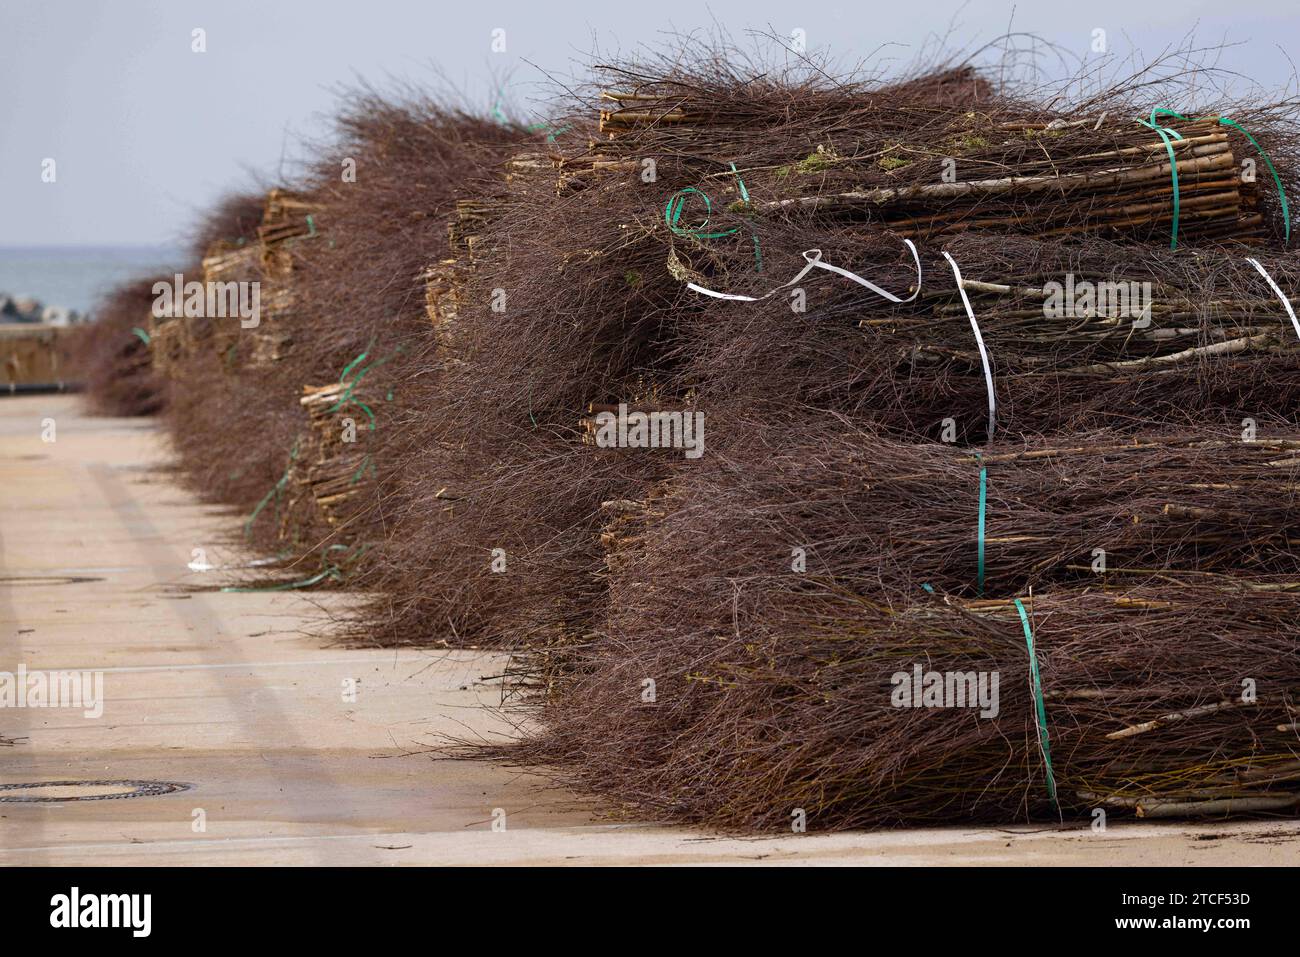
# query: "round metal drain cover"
{"type": "Point", "coordinates": [60, 792]}
{"type": "Point", "coordinates": [14, 580]}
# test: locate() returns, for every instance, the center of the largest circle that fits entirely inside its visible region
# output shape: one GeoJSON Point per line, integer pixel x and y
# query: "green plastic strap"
{"type": "Point", "coordinates": [1277, 180]}
{"type": "Point", "coordinates": [1173, 166]}
{"type": "Point", "coordinates": [677, 203]}
{"type": "Point", "coordinates": [673, 214]}
{"type": "Point", "coordinates": [311, 226]}
{"type": "Point", "coordinates": [744, 197]}
{"type": "Point", "coordinates": [365, 463]}
{"type": "Point", "coordinates": [331, 570]}
{"type": "Point", "coordinates": [144, 336]}
{"type": "Point", "coordinates": [744, 193]}
{"type": "Point", "coordinates": [1038, 702]}
{"type": "Point", "coordinates": [984, 489]}
{"type": "Point", "coordinates": [355, 362]}
{"type": "Point", "coordinates": [551, 133]}
{"type": "Point", "coordinates": [366, 409]}
{"type": "Point", "coordinates": [347, 396]}
{"type": "Point", "coordinates": [275, 489]}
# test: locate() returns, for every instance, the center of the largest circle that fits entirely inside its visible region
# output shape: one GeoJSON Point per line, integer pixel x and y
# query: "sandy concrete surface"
{"type": "Point", "coordinates": [228, 695]}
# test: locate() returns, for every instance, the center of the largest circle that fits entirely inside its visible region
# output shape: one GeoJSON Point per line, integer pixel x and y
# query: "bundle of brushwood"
{"type": "Point", "coordinates": [272, 338]}
{"type": "Point", "coordinates": [338, 261]}
{"type": "Point", "coordinates": [996, 383]}
{"type": "Point", "coordinates": [1078, 336]}
{"type": "Point", "coordinates": [803, 599]}
{"type": "Point", "coordinates": [493, 531]}
{"type": "Point", "coordinates": [228, 227]}
{"type": "Point", "coordinates": [337, 467]}
{"type": "Point", "coordinates": [114, 356]}
{"type": "Point", "coordinates": [471, 219]}
{"type": "Point", "coordinates": [894, 158]}
{"type": "Point", "coordinates": [286, 217]}
{"type": "Point", "coordinates": [444, 281]}
{"type": "Point", "coordinates": [166, 336]}
{"type": "Point", "coordinates": [207, 334]}
{"type": "Point", "coordinates": [780, 695]}
{"type": "Point", "coordinates": [1149, 315]}
{"type": "Point", "coordinates": [444, 284]}
{"type": "Point", "coordinates": [993, 521]}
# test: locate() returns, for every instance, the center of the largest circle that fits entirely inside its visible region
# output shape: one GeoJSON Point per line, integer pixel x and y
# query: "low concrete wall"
{"type": "Point", "coordinates": [30, 354]}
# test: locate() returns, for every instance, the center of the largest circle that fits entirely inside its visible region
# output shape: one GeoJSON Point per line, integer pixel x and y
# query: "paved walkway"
{"type": "Point", "coordinates": [225, 693]}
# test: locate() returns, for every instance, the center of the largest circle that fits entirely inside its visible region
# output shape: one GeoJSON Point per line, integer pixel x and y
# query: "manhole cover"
{"type": "Point", "coordinates": [46, 579]}
{"type": "Point", "coordinates": [60, 792]}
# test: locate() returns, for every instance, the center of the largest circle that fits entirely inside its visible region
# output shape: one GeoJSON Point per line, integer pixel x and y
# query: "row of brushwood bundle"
{"type": "Point", "coordinates": [995, 512]}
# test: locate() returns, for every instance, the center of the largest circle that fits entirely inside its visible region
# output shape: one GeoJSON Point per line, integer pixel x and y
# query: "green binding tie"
{"type": "Point", "coordinates": [275, 489]}
{"type": "Point", "coordinates": [331, 571]}
{"type": "Point", "coordinates": [1277, 180]}
{"type": "Point", "coordinates": [677, 203]}
{"type": "Point", "coordinates": [366, 463]}
{"type": "Point", "coordinates": [744, 193]}
{"type": "Point", "coordinates": [744, 198]}
{"type": "Point", "coordinates": [347, 396]}
{"type": "Point", "coordinates": [673, 214]}
{"type": "Point", "coordinates": [1038, 702]}
{"type": "Point", "coordinates": [143, 336]}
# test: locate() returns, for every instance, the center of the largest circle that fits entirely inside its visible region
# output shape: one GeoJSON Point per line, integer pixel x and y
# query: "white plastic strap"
{"type": "Point", "coordinates": [1285, 302]}
{"type": "Point", "coordinates": [813, 258]}
{"type": "Point", "coordinates": [979, 340]}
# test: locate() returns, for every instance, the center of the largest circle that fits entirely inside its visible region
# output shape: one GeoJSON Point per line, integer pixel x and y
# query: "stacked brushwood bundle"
{"type": "Point", "coordinates": [492, 538]}
{"type": "Point", "coordinates": [128, 358]}
{"type": "Point", "coordinates": [445, 280]}
{"type": "Point", "coordinates": [264, 415]}
{"type": "Point", "coordinates": [338, 262]}
{"type": "Point", "coordinates": [115, 356]}
{"type": "Point", "coordinates": [789, 701]}
{"type": "Point", "coordinates": [333, 467]}
{"type": "Point", "coordinates": [285, 217]}
{"type": "Point", "coordinates": [994, 384]}
{"type": "Point", "coordinates": [1091, 501]}
{"type": "Point", "coordinates": [210, 335]}
{"type": "Point", "coordinates": [166, 339]}
{"type": "Point", "coordinates": [336, 461]}
{"type": "Point", "coordinates": [778, 597]}
{"type": "Point", "coordinates": [898, 514]}
{"type": "Point", "coordinates": [1078, 336]}
{"type": "Point", "coordinates": [924, 172]}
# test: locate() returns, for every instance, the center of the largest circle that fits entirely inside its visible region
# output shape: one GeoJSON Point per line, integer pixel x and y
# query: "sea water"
{"type": "Point", "coordinates": [74, 277]}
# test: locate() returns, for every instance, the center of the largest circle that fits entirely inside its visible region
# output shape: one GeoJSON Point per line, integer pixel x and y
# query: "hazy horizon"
{"type": "Point", "coordinates": [76, 277]}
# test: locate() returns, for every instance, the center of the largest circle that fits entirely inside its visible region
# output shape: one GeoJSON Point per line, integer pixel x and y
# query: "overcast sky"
{"type": "Point", "coordinates": [145, 132]}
